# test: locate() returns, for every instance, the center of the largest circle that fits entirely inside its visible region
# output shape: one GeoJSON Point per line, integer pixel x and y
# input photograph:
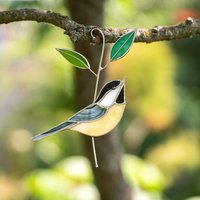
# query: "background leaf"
{"type": "Point", "coordinates": [75, 58]}
{"type": "Point", "coordinates": [122, 46]}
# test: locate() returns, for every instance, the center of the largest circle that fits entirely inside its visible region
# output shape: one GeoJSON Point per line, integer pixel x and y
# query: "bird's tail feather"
{"type": "Point", "coordinates": [55, 129]}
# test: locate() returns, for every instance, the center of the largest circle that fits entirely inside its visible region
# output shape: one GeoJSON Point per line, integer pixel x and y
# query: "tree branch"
{"type": "Point", "coordinates": [77, 32]}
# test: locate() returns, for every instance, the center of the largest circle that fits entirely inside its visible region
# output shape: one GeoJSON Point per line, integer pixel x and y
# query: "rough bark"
{"type": "Point", "coordinates": [108, 176]}
{"type": "Point", "coordinates": [79, 32]}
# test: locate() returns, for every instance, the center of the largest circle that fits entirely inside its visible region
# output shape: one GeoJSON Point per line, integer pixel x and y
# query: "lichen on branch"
{"type": "Point", "coordinates": [78, 32]}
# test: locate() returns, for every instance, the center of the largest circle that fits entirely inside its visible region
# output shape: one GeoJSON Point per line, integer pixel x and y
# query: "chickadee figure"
{"type": "Point", "coordinates": [99, 117]}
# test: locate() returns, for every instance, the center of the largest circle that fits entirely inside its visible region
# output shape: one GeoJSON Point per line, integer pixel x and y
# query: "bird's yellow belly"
{"type": "Point", "coordinates": [103, 125]}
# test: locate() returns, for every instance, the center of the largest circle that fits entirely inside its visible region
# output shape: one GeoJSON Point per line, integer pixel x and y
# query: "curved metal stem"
{"type": "Point", "coordinates": [100, 61]}
{"type": "Point", "coordinates": [92, 72]}
{"type": "Point", "coordinates": [97, 83]}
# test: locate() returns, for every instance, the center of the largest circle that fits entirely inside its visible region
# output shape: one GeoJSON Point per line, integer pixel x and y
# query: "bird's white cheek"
{"type": "Point", "coordinates": [109, 99]}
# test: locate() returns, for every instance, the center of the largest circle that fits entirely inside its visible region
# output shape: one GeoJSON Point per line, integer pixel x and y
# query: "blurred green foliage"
{"type": "Point", "coordinates": [71, 179]}
{"type": "Point", "coordinates": [160, 127]}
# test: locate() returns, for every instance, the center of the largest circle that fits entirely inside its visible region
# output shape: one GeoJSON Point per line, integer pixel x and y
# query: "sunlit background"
{"type": "Point", "coordinates": [160, 131]}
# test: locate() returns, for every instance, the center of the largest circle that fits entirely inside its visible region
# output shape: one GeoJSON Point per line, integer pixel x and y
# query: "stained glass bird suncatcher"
{"type": "Point", "coordinates": [99, 117]}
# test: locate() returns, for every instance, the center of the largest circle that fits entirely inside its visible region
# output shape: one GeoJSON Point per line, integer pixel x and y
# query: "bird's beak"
{"type": "Point", "coordinates": [122, 82]}
{"type": "Point", "coordinates": [121, 85]}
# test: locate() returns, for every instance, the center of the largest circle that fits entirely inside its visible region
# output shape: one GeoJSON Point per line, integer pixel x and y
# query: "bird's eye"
{"type": "Point", "coordinates": [114, 87]}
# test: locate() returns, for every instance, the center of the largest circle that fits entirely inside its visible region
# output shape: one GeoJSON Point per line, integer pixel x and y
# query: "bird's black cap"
{"type": "Point", "coordinates": [107, 87]}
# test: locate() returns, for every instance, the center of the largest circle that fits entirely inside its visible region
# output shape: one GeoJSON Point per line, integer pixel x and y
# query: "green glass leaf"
{"type": "Point", "coordinates": [75, 58]}
{"type": "Point", "coordinates": [122, 46]}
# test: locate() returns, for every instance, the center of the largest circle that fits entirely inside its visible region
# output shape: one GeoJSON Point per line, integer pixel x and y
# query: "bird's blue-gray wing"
{"type": "Point", "coordinates": [90, 113]}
